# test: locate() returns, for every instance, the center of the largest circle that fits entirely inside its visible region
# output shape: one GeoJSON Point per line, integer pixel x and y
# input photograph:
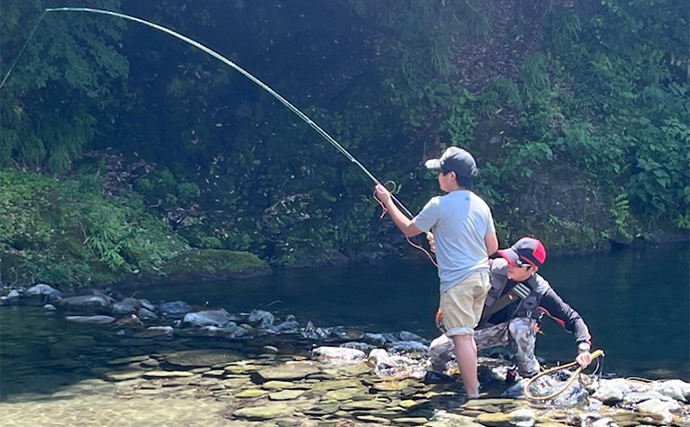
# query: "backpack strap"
{"type": "Point", "coordinates": [519, 291]}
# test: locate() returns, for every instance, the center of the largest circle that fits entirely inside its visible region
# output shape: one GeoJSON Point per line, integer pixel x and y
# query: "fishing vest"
{"type": "Point", "coordinates": [525, 300]}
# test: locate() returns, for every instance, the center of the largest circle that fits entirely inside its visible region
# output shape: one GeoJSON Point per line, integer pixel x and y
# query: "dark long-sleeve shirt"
{"type": "Point", "coordinates": [549, 303]}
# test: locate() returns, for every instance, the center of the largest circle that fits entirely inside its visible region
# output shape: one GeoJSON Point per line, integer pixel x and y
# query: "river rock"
{"type": "Point", "coordinates": [603, 422]}
{"type": "Point", "coordinates": [126, 306]}
{"type": "Point", "coordinates": [409, 336]}
{"type": "Point", "coordinates": [409, 347]}
{"type": "Point", "coordinates": [290, 325]}
{"type": "Point", "coordinates": [659, 407]}
{"type": "Point", "coordinates": [322, 409]}
{"type": "Point", "coordinates": [277, 385]}
{"type": "Point", "coordinates": [251, 393]}
{"type": "Point", "coordinates": [377, 340]}
{"type": "Point", "coordinates": [131, 321]}
{"type": "Point", "coordinates": [366, 348]}
{"type": "Point", "coordinates": [147, 304]}
{"type": "Point", "coordinates": [156, 331]}
{"type": "Point", "coordinates": [614, 390]}
{"type": "Point", "coordinates": [363, 405]}
{"type": "Point", "coordinates": [14, 294]}
{"type": "Point", "coordinates": [263, 413]}
{"type": "Point", "coordinates": [91, 320]}
{"type": "Point", "coordinates": [345, 333]}
{"type": "Point", "coordinates": [174, 309]}
{"type": "Point", "coordinates": [288, 371]}
{"type": "Point", "coordinates": [336, 385]}
{"type": "Point", "coordinates": [198, 358]}
{"type": "Point", "coordinates": [340, 354]}
{"type": "Point", "coordinates": [497, 419]}
{"type": "Point", "coordinates": [523, 417]}
{"type": "Point", "coordinates": [285, 395]}
{"type": "Point", "coordinates": [45, 291]}
{"type": "Point", "coordinates": [675, 389]}
{"type": "Point", "coordinates": [373, 419]}
{"type": "Point", "coordinates": [127, 360]}
{"type": "Point", "coordinates": [637, 397]}
{"type": "Point", "coordinates": [123, 375]}
{"type": "Point", "coordinates": [390, 337]}
{"type": "Point", "coordinates": [261, 318]}
{"type": "Point", "coordinates": [218, 318]}
{"type": "Point", "coordinates": [97, 303]}
{"type": "Point", "coordinates": [231, 331]}
{"type": "Point", "coordinates": [145, 314]}
{"type": "Point", "coordinates": [343, 394]}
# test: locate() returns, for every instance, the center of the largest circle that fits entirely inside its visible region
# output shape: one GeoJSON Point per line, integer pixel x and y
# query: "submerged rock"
{"type": "Point", "coordinates": [264, 413]}
{"type": "Point", "coordinates": [195, 358]}
{"type": "Point", "coordinates": [288, 371]}
{"type": "Point", "coordinates": [91, 320]}
{"type": "Point", "coordinates": [341, 354]}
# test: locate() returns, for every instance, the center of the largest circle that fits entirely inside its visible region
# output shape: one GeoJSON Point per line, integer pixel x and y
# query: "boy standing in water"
{"type": "Point", "coordinates": [465, 236]}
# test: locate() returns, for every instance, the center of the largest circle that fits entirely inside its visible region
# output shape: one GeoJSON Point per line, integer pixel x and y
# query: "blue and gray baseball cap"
{"type": "Point", "coordinates": [456, 160]}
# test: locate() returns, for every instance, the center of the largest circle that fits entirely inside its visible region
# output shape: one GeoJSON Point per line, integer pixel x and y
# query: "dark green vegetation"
{"type": "Point", "coordinates": [577, 113]}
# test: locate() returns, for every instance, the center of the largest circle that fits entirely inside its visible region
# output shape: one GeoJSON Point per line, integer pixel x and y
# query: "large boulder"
{"type": "Point", "coordinates": [95, 303]}
{"type": "Point", "coordinates": [45, 291]}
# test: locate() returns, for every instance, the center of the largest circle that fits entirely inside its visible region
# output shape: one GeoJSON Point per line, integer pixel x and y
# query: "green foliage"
{"type": "Point", "coordinates": [61, 83]}
{"type": "Point", "coordinates": [68, 234]}
{"type": "Point", "coordinates": [620, 212]}
{"type": "Point", "coordinates": [591, 93]}
{"type": "Point", "coordinates": [659, 181]}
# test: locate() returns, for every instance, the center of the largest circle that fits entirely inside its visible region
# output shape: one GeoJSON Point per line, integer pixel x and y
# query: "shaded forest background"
{"type": "Point", "coordinates": [122, 148]}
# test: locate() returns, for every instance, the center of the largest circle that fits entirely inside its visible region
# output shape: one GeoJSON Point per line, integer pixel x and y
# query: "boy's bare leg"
{"type": "Point", "coordinates": [466, 354]}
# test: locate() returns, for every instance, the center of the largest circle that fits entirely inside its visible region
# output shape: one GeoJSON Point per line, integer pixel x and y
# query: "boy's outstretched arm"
{"type": "Point", "coordinates": [404, 223]}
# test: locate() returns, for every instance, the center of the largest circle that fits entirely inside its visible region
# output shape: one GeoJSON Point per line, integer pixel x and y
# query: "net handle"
{"type": "Point", "coordinates": [593, 356]}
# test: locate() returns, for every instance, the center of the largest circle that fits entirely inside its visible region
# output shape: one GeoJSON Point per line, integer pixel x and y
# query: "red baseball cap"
{"type": "Point", "coordinates": [528, 250]}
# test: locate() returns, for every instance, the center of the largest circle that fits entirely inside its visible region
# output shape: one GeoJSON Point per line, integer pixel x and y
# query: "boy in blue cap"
{"type": "Point", "coordinates": [465, 236]}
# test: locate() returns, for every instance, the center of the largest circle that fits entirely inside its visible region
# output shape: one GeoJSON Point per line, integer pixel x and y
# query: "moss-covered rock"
{"type": "Point", "coordinates": [214, 264]}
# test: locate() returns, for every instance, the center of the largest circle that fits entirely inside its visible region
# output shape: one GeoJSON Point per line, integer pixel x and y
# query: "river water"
{"type": "Point", "coordinates": [636, 304]}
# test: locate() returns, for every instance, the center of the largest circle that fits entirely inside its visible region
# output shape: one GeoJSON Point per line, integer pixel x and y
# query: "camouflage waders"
{"type": "Point", "coordinates": [518, 334]}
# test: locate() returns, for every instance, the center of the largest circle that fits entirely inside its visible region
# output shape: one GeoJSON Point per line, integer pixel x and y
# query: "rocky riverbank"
{"type": "Point", "coordinates": [172, 364]}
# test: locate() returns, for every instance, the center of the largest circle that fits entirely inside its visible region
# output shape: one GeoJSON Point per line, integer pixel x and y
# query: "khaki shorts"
{"type": "Point", "coordinates": [462, 304]}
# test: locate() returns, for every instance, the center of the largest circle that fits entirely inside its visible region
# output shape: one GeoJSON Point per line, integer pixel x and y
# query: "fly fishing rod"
{"type": "Point", "coordinates": [226, 61]}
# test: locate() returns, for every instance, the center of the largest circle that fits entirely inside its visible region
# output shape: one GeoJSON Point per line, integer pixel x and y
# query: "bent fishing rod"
{"type": "Point", "coordinates": [226, 61]}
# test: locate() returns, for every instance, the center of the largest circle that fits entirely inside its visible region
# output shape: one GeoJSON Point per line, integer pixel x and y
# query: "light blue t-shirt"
{"type": "Point", "coordinates": [459, 220]}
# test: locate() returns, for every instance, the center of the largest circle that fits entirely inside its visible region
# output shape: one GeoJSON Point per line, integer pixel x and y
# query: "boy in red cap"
{"type": "Point", "coordinates": [465, 236]}
{"type": "Point", "coordinates": [518, 299]}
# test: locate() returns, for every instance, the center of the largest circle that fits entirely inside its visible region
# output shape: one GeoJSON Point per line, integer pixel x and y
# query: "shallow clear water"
{"type": "Point", "coordinates": [636, 304]}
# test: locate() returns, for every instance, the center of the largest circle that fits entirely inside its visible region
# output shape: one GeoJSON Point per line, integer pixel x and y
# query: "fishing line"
{"type": "Point", "coordinates": [31, 35]}
{"type": "Point", "coordinates": [226, 61]}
